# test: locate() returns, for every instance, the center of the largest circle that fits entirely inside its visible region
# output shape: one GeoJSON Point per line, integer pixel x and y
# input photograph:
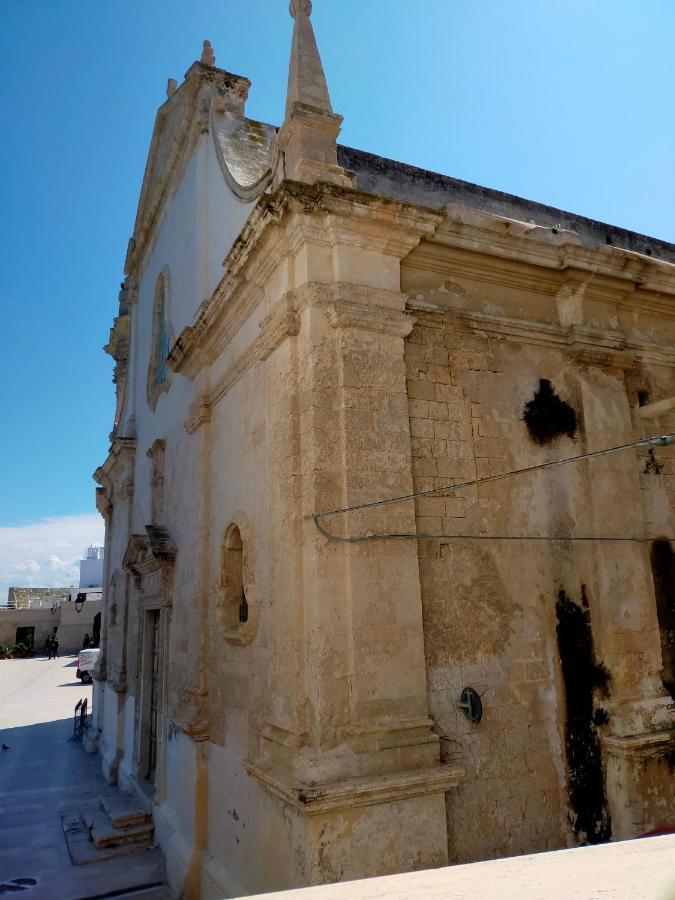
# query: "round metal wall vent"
{"type": "Point", "coordinates": [470, 704]}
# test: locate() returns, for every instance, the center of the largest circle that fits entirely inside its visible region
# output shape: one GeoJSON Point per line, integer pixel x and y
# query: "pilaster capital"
{"type": "Point", "coordinates": [361, 308]}
{"type": "Point", "coordinates": [343, 313]}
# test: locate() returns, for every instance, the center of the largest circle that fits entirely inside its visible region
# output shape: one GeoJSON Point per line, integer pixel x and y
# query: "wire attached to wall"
{"type": "Point", "coordinates": [664, 440]}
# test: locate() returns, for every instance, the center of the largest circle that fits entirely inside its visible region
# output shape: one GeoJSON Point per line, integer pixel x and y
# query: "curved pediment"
{"type": "Point", "coordinates": [243, 148]}
{"type": "Point", "coordinates": [209, 99]}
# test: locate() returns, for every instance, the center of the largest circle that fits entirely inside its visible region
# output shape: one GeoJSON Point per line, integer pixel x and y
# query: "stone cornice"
{"type": "Point", "coordinates": [351, 793]}
{"type": "Point", "coordinates": [122, 449]}
{"type": "Point", "coordinates": [103, 502]}
{"type": "Point", "coordinates": [320, 214]}
{"type": "Point", "coordinates": [542, 261]}
{"type": "Point", "coordinates": [281, 322]}
{"type": "Point", "coordinates": [593, 346]}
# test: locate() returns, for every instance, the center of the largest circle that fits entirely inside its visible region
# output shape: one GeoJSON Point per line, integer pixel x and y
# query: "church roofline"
{"type": "Point", "coordinates": [423, 187]}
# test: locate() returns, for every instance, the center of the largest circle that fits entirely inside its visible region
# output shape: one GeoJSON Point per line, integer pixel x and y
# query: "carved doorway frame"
{"type": "Point", "coordinates": [149, 558]}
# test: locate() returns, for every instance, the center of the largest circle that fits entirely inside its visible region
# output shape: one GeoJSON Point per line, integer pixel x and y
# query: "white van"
{"type": "Point", "coordinates": [85, 664]}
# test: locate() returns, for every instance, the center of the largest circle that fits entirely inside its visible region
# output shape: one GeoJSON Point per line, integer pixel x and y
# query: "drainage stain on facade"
{"type": "Point", "coordinates": [584, 679]}
{"type": "Point", "coordinates": [547, 416]}
{"type": "Point", "coordinates": [663, 573]}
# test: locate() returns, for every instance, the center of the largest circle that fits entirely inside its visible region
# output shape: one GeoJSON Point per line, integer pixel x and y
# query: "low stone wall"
{"type": "Point", "coordinates": [74, 625]}
{"type": "Point", "coordinates": [69, 624]}
{"type": "Point", "coordinates": [42, 620]}
{"type": "Point", "coordinates": [25, 598]}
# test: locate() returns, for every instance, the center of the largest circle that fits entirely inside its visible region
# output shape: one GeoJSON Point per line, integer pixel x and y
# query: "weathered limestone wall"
{"type": "Point", "coordinates": [500, 616]}
{"type": "Point", "coordinates": [41, 619]}
{"type": "Point", "coordinates": [20, 598]}
{"type": "Point", "coordinates": [489, 607]}
{"type": "Point", "coordinates": [73, 625]}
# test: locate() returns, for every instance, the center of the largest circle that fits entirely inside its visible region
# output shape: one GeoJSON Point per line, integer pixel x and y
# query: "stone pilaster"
{"type": "Point", "coordinates": [623, 611]}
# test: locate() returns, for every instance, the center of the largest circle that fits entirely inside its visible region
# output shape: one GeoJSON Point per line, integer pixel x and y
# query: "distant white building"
{"type": "Point", "coordinates": [91, 568]}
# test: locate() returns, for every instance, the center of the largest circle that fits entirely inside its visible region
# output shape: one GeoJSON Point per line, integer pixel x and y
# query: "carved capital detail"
{"type": "Point", "coordinates": [342, 313]}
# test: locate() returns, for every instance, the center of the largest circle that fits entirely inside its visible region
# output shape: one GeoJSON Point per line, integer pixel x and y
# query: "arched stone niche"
{"type": "Point", "coordinates": [238, 600]}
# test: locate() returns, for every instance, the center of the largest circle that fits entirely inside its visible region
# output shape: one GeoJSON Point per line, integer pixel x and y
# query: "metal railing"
{"type": "Point", "coordinates": [80, 720]}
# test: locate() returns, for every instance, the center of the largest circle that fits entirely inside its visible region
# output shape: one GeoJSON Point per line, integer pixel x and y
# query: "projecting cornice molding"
{"type": "Point", "coordinates": [589, 346]}
{"type": "Point", "coordinates": [280, 323]}
{"type": "Point", "coordinates": [295, 216]}
{"type": "Point", "coordinates": [119, 460]}
{"type": "Point", "coordinates": [150, 552]}
{"type": "Point", "coordinates": [495, 250]}
{"type": "Point", "coordinates": [350, 793]}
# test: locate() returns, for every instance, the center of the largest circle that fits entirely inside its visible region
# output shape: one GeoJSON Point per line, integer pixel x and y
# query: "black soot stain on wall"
{"type": "Point", "coordinates": [547, 416]}
{"type": "Point", "coordinates": [663, 572]}
{"type": "Point", "coordinates": [584, 679]}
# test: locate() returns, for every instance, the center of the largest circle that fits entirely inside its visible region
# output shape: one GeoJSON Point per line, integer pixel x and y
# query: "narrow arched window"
{"type": "Point", "coordinates": [159, 374]}
{"type": "Point", "coordinates": [238, 598]}
{"type": "Point", "coordinates": [160, 350]}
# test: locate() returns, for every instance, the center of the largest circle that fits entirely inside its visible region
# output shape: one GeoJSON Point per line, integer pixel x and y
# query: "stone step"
{"type": "Point", "coordinates": [105, 834]}
{"type": "Point", "coordinates": [125, 809]}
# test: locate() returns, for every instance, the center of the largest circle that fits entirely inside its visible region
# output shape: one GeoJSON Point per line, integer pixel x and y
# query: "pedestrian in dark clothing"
{"type": "Point", "coordinates": [49, 647]}
{"type": "Point", "coordinates": [86, 643]}
{"type": "Point", "coordinates": [55, 647]}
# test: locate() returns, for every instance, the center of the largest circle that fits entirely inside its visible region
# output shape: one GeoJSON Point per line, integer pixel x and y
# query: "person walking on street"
{"type": "Point", "coordinates": [48, 646]}
{"type": "Point", "coordinates": [55, 647]}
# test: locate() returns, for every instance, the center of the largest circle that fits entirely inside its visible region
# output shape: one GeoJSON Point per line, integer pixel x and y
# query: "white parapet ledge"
{"type": "Point", "coordinates": [627, 870]}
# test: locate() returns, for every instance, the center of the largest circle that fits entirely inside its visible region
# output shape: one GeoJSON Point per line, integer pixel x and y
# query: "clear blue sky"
{"type": "Point", "coordinates": [568, 103]}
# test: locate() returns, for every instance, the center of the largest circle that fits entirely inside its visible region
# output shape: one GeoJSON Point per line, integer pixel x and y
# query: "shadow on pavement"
{"type": "Point", "coordinates": [42, 777]}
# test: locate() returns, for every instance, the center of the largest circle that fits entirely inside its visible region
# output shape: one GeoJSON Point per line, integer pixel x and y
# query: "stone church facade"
{"type": "Point", "coordinates": [480, 671]}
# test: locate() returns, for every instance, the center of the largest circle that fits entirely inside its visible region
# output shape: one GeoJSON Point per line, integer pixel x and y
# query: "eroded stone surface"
{"type": "Point", "coordinates": [286, 685]}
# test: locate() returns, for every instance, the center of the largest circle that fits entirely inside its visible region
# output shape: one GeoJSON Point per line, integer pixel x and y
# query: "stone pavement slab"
{"type": "Point", "coordinates": [43, 777]}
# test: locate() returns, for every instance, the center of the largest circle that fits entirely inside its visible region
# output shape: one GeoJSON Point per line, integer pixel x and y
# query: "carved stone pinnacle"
{"type": "Point", "coordinates": [297, 6]}
{"type": "Point", "coordinates": [208, 56]}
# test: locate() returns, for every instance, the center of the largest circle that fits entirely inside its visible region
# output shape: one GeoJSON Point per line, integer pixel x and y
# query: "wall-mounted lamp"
{"type": "Point", "coordinates": [79, 602]}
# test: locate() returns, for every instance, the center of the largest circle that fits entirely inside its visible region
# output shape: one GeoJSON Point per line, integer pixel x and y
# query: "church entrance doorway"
{"type": "Point", "coordinates": [150, 732]}
{"type": "Point", "coordinates": [154, 693]}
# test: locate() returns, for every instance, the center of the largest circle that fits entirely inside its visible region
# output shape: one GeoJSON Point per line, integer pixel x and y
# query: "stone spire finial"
{"type": "Point", "coordinates": [208, 56]}
{"type": "Point", "coordinates": [306, 145]}
{"type": "Point", "coordinates": [300, 6]}
{"type": "Point", "coordinates": [306, 78]}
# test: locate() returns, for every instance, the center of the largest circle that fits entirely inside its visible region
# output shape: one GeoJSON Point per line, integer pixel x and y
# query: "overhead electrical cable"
{"type": "Point", "coordinates": [663, 440]}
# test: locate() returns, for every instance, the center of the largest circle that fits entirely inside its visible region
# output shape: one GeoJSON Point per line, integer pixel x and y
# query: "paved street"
{"type": "Point", "coordinates": [42, 776]}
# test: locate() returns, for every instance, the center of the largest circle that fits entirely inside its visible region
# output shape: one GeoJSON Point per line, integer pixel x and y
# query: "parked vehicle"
{"type": "Point", "coordinates": [85, 664]}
